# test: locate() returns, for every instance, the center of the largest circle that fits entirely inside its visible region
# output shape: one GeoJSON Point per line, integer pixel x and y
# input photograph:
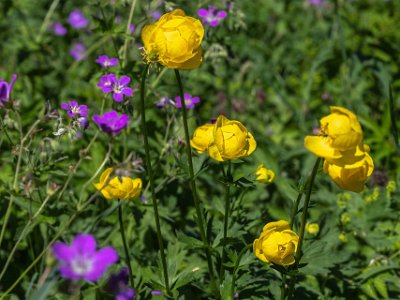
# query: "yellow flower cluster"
{"type": "Point", "coordinates": [174, 41]}
{"type": "Point", "coordinates": [114, 188]}
{"type": "Point", "coordinates": [277, 244]}
{"type": "Point", "coordinates": [224, 140]}
{"type": "Point", "coordinates": [340, 143]}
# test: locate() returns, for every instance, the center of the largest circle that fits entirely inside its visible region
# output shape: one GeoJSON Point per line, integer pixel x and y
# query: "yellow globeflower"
{"type": "Point", "coordinates": [202, 137]}
{"type": "Point", "coordinates": [174, 41]}
{"type": "Point", "coordinates": [264, 175]}
{"type": "Point", "coordinates": [231, 140]}
{"type": "Point", "coordinates": [312, 228]}
{"type": "Point", "coordinates": [114, 188]}
{"type": "Point", "coordinates": [340, 131]}
{"type": "Point", "coordinates": [351, 177]}
{"type": "Point", "coordinates": [277, 244]}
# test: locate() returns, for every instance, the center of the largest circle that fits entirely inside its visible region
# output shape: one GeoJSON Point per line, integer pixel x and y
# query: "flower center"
{"type": "Point", "coordinates": [118, 88]}
{"type": "Point", "coordinates": [82, 265]}
{"type": "Point", "coordinates": [75, 109]}
{"type": "Point", "coordinates": [188, 101]}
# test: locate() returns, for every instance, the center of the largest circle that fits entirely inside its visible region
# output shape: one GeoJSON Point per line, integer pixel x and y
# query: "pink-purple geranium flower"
{"type": "Point", "coordinates": [78, 51]}
{"type": "Point", "coordinates": [5, 89]}
{"type": "Point", "coordinates": [81, 260]}
{"type": "Point", "coordinates": [164, 101]}
{"type": "Point", "coordinates": [117, 285]}
{"type": "Point", "coordinates": [77, 19]}
{"type": "Point", "coordinates": [211, 16]}
{"type": "Point", "coordinates": [111, 122]}
{"type": "Point", "coordinates": [106, 62]}
{"type": "Point", "coordinates": [189, 101]}
{"type": "Point", "coordinates": [109, 83]}
{"type": "Point", "coordinates": [74, 109]}
{"type": "Point", "coordinates": [59, 29]}
{"type": "Point", "coordinates": [316, 2]}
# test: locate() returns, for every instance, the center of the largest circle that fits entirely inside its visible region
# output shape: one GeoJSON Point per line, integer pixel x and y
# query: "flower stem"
{"type": "Point", "coordinates": [247, 247]}
{"type": "Point", "coordinates": [283, 288]}
{"type": "Point", "coordinates": [200, 217]}
{"type": "Point", "coordinates": [303, 224]}
{"type": "Point", "coordinates": [125, 49]}
{"type": "Point", "coordinates": [227, 176]}
{"type": "Point", "coordinates": [150, 176]}
{"type": "Point", "coordinates": [127, 257]}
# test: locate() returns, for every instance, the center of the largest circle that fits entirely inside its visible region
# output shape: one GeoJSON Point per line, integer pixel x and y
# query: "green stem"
{"type": "Point", "coordinates": [6, 132]}
{"type": "Point", "coordinates": [200, 217]}
{"type": "Point", "coordinates": [46, 20]}
{"type": "Point", "coordinates": [127, 257]}
{"type": "Point", "coordinates": [237, 266]}
{"type": "Point", "coordinates": [226, 216]}
{"type": "Point", "coordinates": [303, 225]}
{"type": "Point", "coordinates": [283, 287]}
{"type": "Point", "coordinates": [150, 176]}
{"type": "Point", "coordinates": [125, 49]}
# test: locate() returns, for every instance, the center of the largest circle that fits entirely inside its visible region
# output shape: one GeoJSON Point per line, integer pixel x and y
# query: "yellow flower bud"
{"type": "Point", "coordinates": [277, 244]}
{"type": "Point", "coordinates": [351, 177]}
{"type": "Point", "coordinates": [114, 188]}
{"type": "Point", "coordinates": [231, 140]}
{"type": "Point", "coordinates": [340, 131]}
{"type": "Point", "coordinates": [202, 137]}
{"type": "Point", "coordinates": [174, 41]}
{"type": "Point", "coordinates": [312, 228]}
{"type": "Point", "coordinates": [264, 175]}
{"type": "Point", "coordinates": [345, 218]}
{"type": "Point", "coordinates": [343, 237]}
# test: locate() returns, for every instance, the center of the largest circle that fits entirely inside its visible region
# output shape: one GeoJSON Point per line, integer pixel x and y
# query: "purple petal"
{"type": "Point", "coordinates": [214, 23]}
{"type": "Point", "coordinates": [61, 251]}
{"type": "Point", "coordinates": [71, 114]}
{"type": "Point", "coordinates": [187, 96]}
{"type": "Point", "coordinates": [118, 97]}
{"type": "Point", "coordinates": [106, 89]}
{"type": "Point", "coordinates": [73, 103]}
{"type": "Point", "coordinates": [195, 100]}
{"type": "Point", "coordinates": [127, 91]}
{"type": "Point", "coordinates": [64, 106]}
{"type": "Point", "coordinates": [112, 78]}
{"type": "Point", "coordinates": [102, 259]}
{"type": "Point", "coordinates": [221, 14]}
{"type": "Point", "coordinates": [84, 243]}
{"type": "Point", "coordinates": [124, 80]}
{"type": "Point", "coordinates": [113, 62]}
{"type": "Point", "coordinates": [202, 12]}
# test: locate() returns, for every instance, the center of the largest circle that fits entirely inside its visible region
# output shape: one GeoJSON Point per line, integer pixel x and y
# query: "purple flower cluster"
{"type": "Point", "coordinates": [81, 260]}
{"type": "Point", "coordinates": [189, 101]}
{"type": "Point", "coordinates": [109, 83]}
{"type": "Point", "coordinates": [117, 285]}
{"type": "Point", "coordinates": [5, 90]}
{"type": "Point", "coordinates": [106, 62]}
{"type": "Point", "coordinates": [111, 122]}
{"type": "Point", "coordinates": [211, 16]}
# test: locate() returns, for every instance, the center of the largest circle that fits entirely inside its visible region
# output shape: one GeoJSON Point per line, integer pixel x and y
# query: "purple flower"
{"type": "Point", "coordinates": [5, 89]}
{"type": "Point", "coordinates": [74, 109]}
{"type": "Point", "coordinates": [59, 29]}
{"type": "Point", "coordinates": [83, 123]}
{"type": "Point", "coordinates": [164, 101]}
{"type": "Point", "coordinates": [77, 20]}
{"type": "Point", "coordinates": [132, 27]}
{"type": "Point", "coordinates": [211, 16]}
{"type": "Point", "coordinates": [156, 293]}
{"type": "Point", "coordinates": [316, 2]}
{"type": "Point", "coordinates": [78, 51]}
{"type": "Point", "coordinates": [80, 260]}
{"type": "Point", "coordinates": [110, 83]}
{"type": "Point", "coordinates": [105, 61]}
{"type": "Point", "coordinates": [111, 123]}
{"type": "Point", "coordinates": [189, 101]}
{"type": "Point", "coordinates": [156, 15]}
{"type": "Point", "coordinates": [117, 285]}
